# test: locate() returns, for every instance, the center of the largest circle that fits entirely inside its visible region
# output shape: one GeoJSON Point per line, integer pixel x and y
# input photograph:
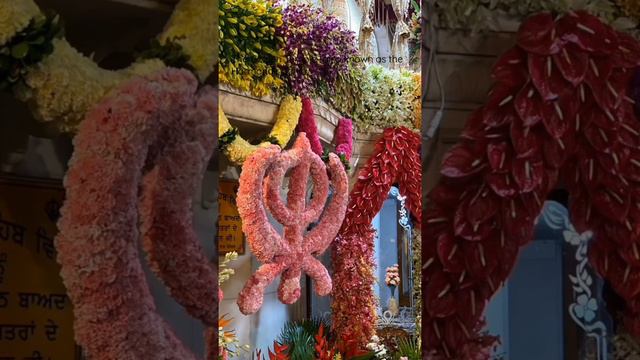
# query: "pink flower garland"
{"type": "Point", "coordinates": [156, 133]}
{"type": "Point", "coordinates": [293, 252]}
{"type": "Point", "coordinates": [307, 125]}
{"type": "Point", "coordinates": [344, 138]}
{"type": "Point", "coordinates": [396, 160]}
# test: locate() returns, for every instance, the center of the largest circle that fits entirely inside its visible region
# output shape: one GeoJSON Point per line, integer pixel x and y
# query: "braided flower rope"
{"type": "Point", "coordinates": [155, 134]}
{"type": "Point", "coordinates": [293, 252]}
{"type": "Point", "coordinates": [396, 160]}
{"type": "Point", "coordinates": [558, 114]}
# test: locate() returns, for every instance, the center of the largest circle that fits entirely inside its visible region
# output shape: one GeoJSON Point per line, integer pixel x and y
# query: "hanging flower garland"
{"type": "Point", "coordinates": [238, 149]}
{"type": "Point", "coordinates": [115, 315]}
{"type": "Point", "coordinates": [344, 139]}
{"type": "Point", "coordinates": [343, 134]}
{"type": "Point", "coordinates": [293, 252]}
{"type": "Point", "coordinates": [250, 50]}
{"type": "Point", "coordinates": [64, 84]}
{"type": "Point", "coordinates": [318, 49]}
{"type": "Point", "coordinates": [307, 125]}
{"type": "Point", "coordinates": [559, 109]}
{"type": "Point", "coordinates": [396, 160]}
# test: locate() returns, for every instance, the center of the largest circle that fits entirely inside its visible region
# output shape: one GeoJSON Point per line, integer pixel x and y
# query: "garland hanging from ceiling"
{"type": "Point", "coordinates": [559, 112]}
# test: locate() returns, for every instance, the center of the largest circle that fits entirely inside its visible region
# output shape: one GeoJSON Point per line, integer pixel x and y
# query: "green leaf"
{"type": "Point", "coordinates": [19, 51]}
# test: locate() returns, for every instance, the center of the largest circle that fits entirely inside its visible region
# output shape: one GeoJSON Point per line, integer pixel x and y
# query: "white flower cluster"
{"type": "Point", "coordinates": [393, 276]}
{"type": "Point", "coordinates": [378, 348]}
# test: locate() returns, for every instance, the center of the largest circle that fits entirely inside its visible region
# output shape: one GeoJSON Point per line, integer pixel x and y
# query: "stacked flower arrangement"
{"type": "Point", "coordinates": [388, 99]}
{"type": "Point", "coordinates": [318, 49]}
{"type": "Point", "coordinates": [251, 50]}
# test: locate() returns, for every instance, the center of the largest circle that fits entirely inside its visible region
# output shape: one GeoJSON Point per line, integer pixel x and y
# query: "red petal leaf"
{"type": "Point", "coordinates": [528, 105]}
{"type": "Point", "coordinates": [537, 35]}
{"type": "Point", "coordinates": [499, 156]}
{"type": "Point", "coordinates": [527, 174]}
{"type": "Point", "coordinates": [588, 32]}
{"type": "Point", "coordinates": [440, 301]}
{"type": "Point", "coordinates": [450, 253]}
{"type": "Point", "coordinates": [511, 68]}
{"type": "Point", "coordinates": [546, 77]}
{"type": "Point", "coordinates": [502, 184]}
{"type": "Point", "coordinates": [572, 63]}
{"type": "Point", "coordinates": [461, 162]}
{"type": "Point", "coordinates": [499, 109]}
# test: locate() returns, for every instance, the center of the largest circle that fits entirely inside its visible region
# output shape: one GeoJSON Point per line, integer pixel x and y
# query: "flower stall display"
{"type": "Point", "coordinates": [396, 160]}
{"type": "Point", "coordinates": [238, 149]}
{"type": "Point", "coordinates": [318, 48]}
{"type": "Point", "coordinates": [561, 109]}
{"type": "Point", "coordinates": [388, 99]}
{"type": "Point", "coordinates": [251, 50]}
{"type": "Point", "coordinates": [293, 252]}
{"type": "Point", "coordinates": [61, 84]}
{"type": "Point", "coordinates": [154, 134]}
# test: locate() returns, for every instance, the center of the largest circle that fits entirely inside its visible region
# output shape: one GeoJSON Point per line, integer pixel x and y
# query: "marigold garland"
{"type": "Point", "coordinates": [396, 160]}
{"type": "Point", "coordinates": [63, 86]}
{"type": "Point", "coordinates": [238, 149]}
{"type": "Point", "coordinates": [161, 124]}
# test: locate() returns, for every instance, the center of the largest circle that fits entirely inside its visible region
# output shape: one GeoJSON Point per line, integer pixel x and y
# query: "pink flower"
{"type": "Point", "coordinates": [155, 134]}
{"type": "Point", "coordinates": [293, 253]}
{"type": "Point", "coordinates": [307, 125]}
{"type": "Point", "coordinates": [344, 137]}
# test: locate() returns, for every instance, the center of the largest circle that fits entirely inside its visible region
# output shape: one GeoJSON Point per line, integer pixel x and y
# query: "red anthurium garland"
{"type": "Point", "coordinates": [155, 134]}
{"type": "Point", "coordinates": [396, 160]}
{"type": "Point", "coordinates": [559, 111]}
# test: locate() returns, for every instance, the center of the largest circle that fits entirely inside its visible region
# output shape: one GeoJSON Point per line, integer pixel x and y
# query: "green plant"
{"type": "Point", "coordinates": [299, 337]}
{"type": "Point", "coordinates": [480, 15]}
{"type": "Point", "coordinates": [409, 348]}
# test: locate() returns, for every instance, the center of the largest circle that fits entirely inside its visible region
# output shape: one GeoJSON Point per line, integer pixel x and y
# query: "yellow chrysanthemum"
{"type": "Point", "coordinates": [15, 15]}
{"type": "Point", "coordinates": [193, 25]}
{"type": "Point", "coordinates": [66, 84]}
{"type": "Point", "coordinates": [286, 122]}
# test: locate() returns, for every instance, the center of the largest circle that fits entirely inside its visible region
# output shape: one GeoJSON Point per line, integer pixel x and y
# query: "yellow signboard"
{"type": "Point", "coordinates": [36, 318]}
{"type": "Point", "coordinates": [230, 237]}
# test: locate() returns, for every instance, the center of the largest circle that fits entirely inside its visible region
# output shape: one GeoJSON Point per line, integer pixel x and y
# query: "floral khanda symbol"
{"type": "Point", "coordinates": [293, 252]}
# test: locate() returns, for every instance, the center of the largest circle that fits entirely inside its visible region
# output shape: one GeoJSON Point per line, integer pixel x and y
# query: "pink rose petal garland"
{"type": "Point", "coordinates": [293, 252]}
{"type": "Point", "coordinates": [155, 134]}
{"type": "Point", "coordinates": [307, 125]}
{"type": "Point", "coordinates": [559, 112]}
{"type": "Point", "coordinates": [396, 160]}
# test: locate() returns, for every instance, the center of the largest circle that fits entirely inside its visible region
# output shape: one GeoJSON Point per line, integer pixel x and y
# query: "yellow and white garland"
{"type": "Point", "coordinates": [286, 121]}
{"type": "Point", "coordinates": [62, 87]}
